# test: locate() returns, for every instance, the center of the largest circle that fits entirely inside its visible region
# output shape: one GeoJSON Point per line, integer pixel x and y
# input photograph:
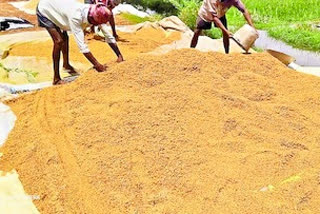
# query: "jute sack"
{"type": "Point", "coordinates": [246, 36]}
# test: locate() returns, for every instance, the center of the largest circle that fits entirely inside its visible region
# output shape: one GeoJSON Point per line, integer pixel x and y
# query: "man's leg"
{"type": "Point", "coordinates": [226, 39]}
{"type": "Point", "coordinates": [195, 38]}
{"type": "Point", "coordinates": [226, 42]}
{"type": "Point", "coordinates": [201, 25]}
{"type": "Point", "coordinates": [55, 34]}
{"type": "Point", "coordinates": [65, 53]}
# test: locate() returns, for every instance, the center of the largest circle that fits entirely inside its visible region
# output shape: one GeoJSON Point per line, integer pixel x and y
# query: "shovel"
{"type": "Point", "coordinates": [284, 58]}
{"type": "Point", "coordinates": [240, 45]}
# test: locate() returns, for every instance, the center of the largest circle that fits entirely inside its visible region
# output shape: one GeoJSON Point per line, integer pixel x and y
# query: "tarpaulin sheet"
{"type": "Point", "coordinates": [7, 120]}
{"type": "Point", "coordinates": [13, 199]}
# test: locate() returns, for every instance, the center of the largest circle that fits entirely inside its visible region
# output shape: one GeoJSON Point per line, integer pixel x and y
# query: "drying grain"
{"type": "Point", "coordinates": [187, 132]}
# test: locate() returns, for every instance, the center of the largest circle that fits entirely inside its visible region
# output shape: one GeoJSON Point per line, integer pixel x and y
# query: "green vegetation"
{"type": "Point", "coordinates": [4, 73]}
{"type": "Point", "coordinates": [137, 19]}
{"type": "Point", "coordinates": [289, 20]}
{"type": "Point", "coordinates": [299, 36]}
{"type": "Point", "coordinates": [187, 10]}
{"type": "Point", "coordinates": [285, 11]}
{"type": "Point", "coordinates": [133, 18]}
{"type": "Point", "coordinates": [160, 6]}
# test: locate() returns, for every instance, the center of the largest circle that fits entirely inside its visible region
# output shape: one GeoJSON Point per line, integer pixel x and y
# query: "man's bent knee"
{"type": "Point", "coordinates": [197, 31]}
{"type": "Point", "coordinates": [58, 42]}
{"type": "Point", "coordinates": [65, 36]}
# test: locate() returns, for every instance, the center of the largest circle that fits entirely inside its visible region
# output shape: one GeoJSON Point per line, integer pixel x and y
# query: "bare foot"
{"type": "Point", "coordinates": [70, 70]}
{"type": "Point", "coordinates": [120, 59]}
{"type": "Point", "coordinates": [59, 82]}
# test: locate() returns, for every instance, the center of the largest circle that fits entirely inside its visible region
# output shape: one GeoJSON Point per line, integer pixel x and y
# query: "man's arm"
{"type": "Point", "coordinates": [247, 16]}
{"type": "Point", "coordinates": [79, 36]}
{"type": "Point", "coordinates": [111, 41]}
{"type": "Point", "coordinates": [244, 11]}
{"type": "Point", "coordinates": [221, 26]}
{"type": "Point", "coordinates": [96, 65]}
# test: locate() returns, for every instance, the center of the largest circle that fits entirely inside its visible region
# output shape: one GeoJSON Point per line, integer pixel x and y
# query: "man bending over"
{"type": "Point", "coordinates": [59, 16]}
{"type": "Point", "coordinates": [110, 39]}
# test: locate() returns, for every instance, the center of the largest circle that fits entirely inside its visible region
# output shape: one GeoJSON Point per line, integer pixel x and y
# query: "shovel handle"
{"type": "Point", "coordinates": [238, 43]}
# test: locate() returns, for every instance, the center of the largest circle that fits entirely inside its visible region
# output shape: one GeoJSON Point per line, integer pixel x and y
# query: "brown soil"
{"type": "Point", "coordinates": [187, 132]}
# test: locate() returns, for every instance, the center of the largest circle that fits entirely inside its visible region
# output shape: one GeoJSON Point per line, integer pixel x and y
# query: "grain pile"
{"type": "Point", "coordinates": [186, 132]}
{"type": "Point", "coordinates": [130, 44]}
{"type": "Point", "coordinates": [36, 56]}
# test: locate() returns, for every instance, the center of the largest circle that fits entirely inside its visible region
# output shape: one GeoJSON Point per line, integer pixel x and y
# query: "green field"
{"type": "Point", "coordinates": [288, 20]}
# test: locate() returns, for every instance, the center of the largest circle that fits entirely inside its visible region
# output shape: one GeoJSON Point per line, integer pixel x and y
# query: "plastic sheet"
{"type": "Point", "coordinates": [21, 6]}
{"type": "Point", "coordinates": [11, 23]}
{"type": "Point", "coordinates": [7, 41]}
{"type": "Point", "coordinates": [127, 8]}
{"type": "Point", "coordinates": [13, 198]}
{"type": "Point", "coordinates": [7, 120]}
{"type": "Point", "coordinates": [315, 71]}
{"type": "Point", "coordinates": [15, 89]}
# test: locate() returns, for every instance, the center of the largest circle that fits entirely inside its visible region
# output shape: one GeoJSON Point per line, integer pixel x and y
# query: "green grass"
{"type": "Point", "coordinates": [286, 20]}
{"type": "Point", "coordinates": [137, 19]}
{"type": "Point", "coordinates": [133, 18]}
{"type": "Point", "coordinates": [289, 20]}
{"type": "Point", "coordinates": [30, 75]}
{"type": "Point", "coordinates": [301, 36]}
{"type": "Point", "coordinates": [284, 10]}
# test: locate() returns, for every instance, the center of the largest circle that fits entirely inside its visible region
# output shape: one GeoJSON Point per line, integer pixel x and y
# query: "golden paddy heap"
{"type": "Point", "coordinates": [185, 132]}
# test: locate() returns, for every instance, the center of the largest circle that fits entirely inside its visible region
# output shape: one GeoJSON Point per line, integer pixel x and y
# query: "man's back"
{"type": "Point", "coordinates": [61, 11]}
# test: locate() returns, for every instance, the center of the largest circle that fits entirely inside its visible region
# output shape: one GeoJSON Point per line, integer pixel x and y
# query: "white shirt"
{"type": "Point", "coordinates": [108, 36]}
{"type": "Point", "coordinates": [68, 15]}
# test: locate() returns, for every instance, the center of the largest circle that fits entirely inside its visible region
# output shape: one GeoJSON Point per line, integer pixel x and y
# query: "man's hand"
{"type": "Point", "coordinates": [96, 65]}
{"type": "Point", "coordinates": [257, 32]}
{"type": "Point", "coordinates": [230, 34]}
{"type": "Point", "coordinates": [100, 68]}
{"type": "Point", "coordinates": [220, 25]}
{"type": "Point", "coordinates": [120, 59]}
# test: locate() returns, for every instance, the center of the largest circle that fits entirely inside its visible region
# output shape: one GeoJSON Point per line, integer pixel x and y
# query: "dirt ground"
{"type": "Point", "coordinates": [187, 132]}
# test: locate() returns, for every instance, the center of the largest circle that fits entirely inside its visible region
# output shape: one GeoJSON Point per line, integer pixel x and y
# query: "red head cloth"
{"type": "Point", "coordinates": [105, 2]}
{"type": "Point", "coordinates": [112, 3]}
{"type": "Point", "coordinates": [99, 14]}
